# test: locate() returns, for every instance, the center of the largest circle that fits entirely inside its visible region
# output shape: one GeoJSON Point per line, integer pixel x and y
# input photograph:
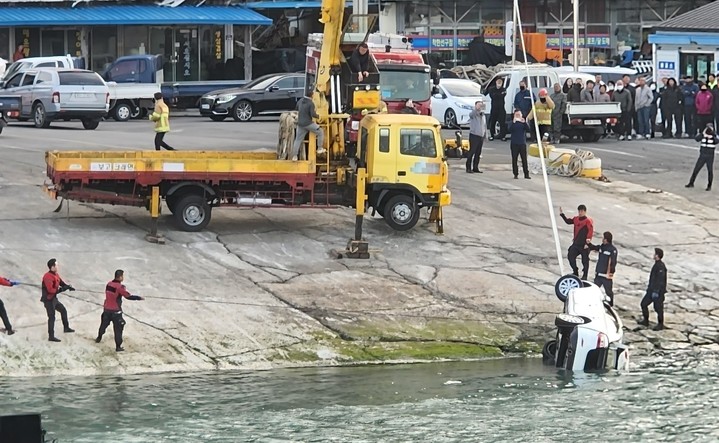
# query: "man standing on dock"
{"type": "Point", "coordinates": [656, 289]}
{"type": "Point", "coordinates": [583, 232]}
{"type": "Point", "coordinates": [52, 285]}
{"type": "Point", "coordinates": [606, 265]}
{"type": "Point", "coordinates": [112, 309]}
{"type": "Point", "coordinates": [161, 117]}
{"type": "Point", "coordinates": [3, 314]}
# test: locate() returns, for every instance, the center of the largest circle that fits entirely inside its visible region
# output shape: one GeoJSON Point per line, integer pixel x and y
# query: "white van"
{"type": "Point", "coordinates": [540, 76]}
{"type": "Point", "coordinates": [608, 73]}
{"type": "Point", "coordinates": [25, 64]}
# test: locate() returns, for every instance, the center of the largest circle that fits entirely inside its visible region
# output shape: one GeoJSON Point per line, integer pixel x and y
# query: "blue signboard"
{"type": "Point", "coordinates": [666, 65]}
{"type": "Point", "coordinates": [441, 42]}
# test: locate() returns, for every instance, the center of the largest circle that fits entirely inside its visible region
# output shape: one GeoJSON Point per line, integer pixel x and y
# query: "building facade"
{"type": "Point", "coordinates": [199, 40]}
{"type": "Point", "coordinates": [607, 27]}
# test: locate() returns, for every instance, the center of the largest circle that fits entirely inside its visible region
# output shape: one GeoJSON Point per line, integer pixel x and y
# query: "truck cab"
{"type": "Point", "coordinates": [406, 169]}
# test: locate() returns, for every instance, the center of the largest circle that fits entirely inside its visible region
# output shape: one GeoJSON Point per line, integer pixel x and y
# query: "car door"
{"type": "Point", "coordinates": [13, 85]}
{"type": "Point", "coordinates": [25, 91]}
{"type": "Point", "coordinates": [277, 97]}
{"type": "Point", "coordinates": [43, 88]}
{"type": "Point", "coordinates": [439, 103]}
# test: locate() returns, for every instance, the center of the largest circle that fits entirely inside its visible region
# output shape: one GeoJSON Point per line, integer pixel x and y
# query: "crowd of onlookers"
{"type": "Point", "coordinates": [684, 107]}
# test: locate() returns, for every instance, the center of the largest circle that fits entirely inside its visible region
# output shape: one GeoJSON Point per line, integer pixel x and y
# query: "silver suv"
{"type": "Point", "coordinates": [60, 94]}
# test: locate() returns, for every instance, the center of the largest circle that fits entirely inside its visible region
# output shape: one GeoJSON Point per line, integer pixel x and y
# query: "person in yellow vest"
{"type": "Point", "coordinates": [543, 111]}
{"type": "Point", "coordinates": [161, 117]}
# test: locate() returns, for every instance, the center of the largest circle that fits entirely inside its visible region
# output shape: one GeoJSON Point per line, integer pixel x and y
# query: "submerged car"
{"type": "Point", "coordinates": [266, 95]}
{"type": "Point", "coordinates": [589, 331]}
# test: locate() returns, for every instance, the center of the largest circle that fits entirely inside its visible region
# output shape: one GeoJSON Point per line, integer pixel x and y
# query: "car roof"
{"type": "Point", "coordinates": [599, 70]}
{"type": "Point", "coordinates": [456, 81]}
{"type": "Point", "coordinates": [388, 119]}
{"type": "Point", "coordinates": [563, 76]}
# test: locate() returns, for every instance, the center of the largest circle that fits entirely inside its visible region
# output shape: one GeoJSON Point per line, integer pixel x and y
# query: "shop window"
{"type": "Point", "coordinates": [5, 50]}
{"type": "Point", "coordinates": [136, 41]}
{"type": "Point", "coordinates": [29, 38]}
{"type": "Point", "coordinates": [212, 53]}
{"type": "Point", "coordinates": [104, 47]}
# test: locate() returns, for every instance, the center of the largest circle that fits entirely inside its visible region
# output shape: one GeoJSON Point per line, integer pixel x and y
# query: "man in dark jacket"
{"type": "Point", "coordinates": [656, 289]}
{"type": "Point", "coordinates": [632, 89]}
{"type": "Point", "coordinates": [523, 99]}
{"type": "Point", "coordinates": [689, 92]}
{"type": "Point", "coordinates": [518, 144]}
{"type": "Point", "coordinates": [52, 285]}
{"type": "Point", "coordinates": [112, 309]}
{"type": "Point", "coordinates": [606, 265]}
{"type": "Point", "coordinates": [498, 95]}
{"type": "Point", "coordinates": [305, 114]}
{"type": "Point", "coordinates": [583, 232]}
{"type": "Point", "coordinates": [626, 103]}
{"type": "Point", "coordinates": [359, 61]}
{"type": "Point", "coordinates": [3, 314]}
{"type": "Point", "coordinates": [709, 142]}
{"type": "Point", "coordinates": [575, 94]}
{"type": "Point", "coordinates": [671, 103]}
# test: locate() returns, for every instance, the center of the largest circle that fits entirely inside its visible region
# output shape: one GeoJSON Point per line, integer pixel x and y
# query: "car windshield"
{"type": "Point", "coordinates": [403, 85]}
{"type": "Point", "coordinates": [12, 69]}
{"type": "Point", "coordinates": [261, 82]}
{"type": "Point", "coordinates": [80, 78]}
{"type": "Point", "coordinates": [464, 89]}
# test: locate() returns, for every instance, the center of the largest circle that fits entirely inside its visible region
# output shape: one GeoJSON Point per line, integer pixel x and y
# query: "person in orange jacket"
{"type": "Point", "coordinates": [3, 314]}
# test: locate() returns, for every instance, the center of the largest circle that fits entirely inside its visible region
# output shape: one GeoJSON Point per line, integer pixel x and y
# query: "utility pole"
{"type": "Point", "coordinates": [575, 49]}
{"type": "Point", "coordinates": [515, 7]}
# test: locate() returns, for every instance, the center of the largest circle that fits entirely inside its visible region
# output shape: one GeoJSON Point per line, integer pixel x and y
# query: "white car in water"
{"type": "Point", "coordinates": [454, 101]}
{"type": "Point", "coordinates": [589, 331]}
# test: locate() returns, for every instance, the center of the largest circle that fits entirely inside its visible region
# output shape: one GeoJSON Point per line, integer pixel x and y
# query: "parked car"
{"type": "Point", "coordinates": [60, 94]}
{"type": "Point", "coordinates": [269, 94]}
{"type": "Point", "coordinates": [589, 331]}
{"type": "Point", "coordinates": [64, 61]}
{"type": "Point", "coordinates": [454, 101]}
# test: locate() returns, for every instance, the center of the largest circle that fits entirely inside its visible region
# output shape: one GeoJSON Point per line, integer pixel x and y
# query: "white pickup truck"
{"type": "Point", "coordinates": [585, 120]}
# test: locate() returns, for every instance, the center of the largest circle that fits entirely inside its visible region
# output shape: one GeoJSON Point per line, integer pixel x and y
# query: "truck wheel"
{"type": "Point", "coordinates": [90, 124]}
{"type": "Point", "coordinates": [565, 284]}
{"type": "Point", "coordinates": [549, 350]}
{"type": "Point", "coordinates": [242, 111]}
{"type": "Point", "coordinates": [122, 112]}
{"type": "Point", "coordinates": [171, 202]}
{"type": "Point", "coordinates": [450, 118]}
{"type": "Point", "coordinates": [39, 116]}
{"type": "Point", "coordinates": [192, 213]}
{"type": "Point", "coordinates": [401, 213]}
{"type": "Point", "coordinates": [218, 118]}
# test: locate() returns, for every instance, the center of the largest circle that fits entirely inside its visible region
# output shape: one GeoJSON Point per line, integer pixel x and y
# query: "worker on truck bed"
{"type": "Point", "coordinates": [305, 113]}
{"type": "Point", "coordinates": [359, 61]}
{"type": "Point", "coordinates": [161, 117]}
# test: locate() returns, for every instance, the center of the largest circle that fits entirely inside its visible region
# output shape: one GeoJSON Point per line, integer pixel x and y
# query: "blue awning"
{"type": "Point", "coordinates": [687, 38]}
{"type": "Point", "coordinates": [130, 15]}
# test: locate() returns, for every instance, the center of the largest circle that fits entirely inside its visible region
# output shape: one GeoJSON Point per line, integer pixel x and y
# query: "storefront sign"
{"type": "Point", "coordinates": [444, 43]}
{"type": "Point", "coordinates": [666, 69]}
{"type": "Point", "coordinates": [218, 45]}
{"type": "Point", "coordinates": [78, 44]}
{"type": "Point", "coordinates": [26, 42]}
{"type": "Point", "coordinates": [186, 54]}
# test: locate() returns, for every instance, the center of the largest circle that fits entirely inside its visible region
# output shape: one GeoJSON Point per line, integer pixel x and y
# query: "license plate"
{"type": "Point", "coordinates": [592, 122]}
{"type": "Point", "coordinates": [205, 106]}
{"type": "Point", "coordinates": [81, 95]}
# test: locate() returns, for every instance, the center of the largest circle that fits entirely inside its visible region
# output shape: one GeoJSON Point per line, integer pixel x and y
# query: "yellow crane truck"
{"type": "Point", "coordinates": [398, 168]}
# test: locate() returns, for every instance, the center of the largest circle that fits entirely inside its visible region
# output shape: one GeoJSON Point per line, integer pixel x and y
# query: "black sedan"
{"type": "Point", "coordinates": [269, 94]}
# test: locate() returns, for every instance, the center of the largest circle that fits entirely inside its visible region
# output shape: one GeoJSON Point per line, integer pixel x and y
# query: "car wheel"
{"type": "Point", "coordinates": [90, 124]}
{"type": "Point", "coordinates": [242, 111]}
{"type": "Point", "coordinates": [218, 118]}
{"type": "Point", "coordinates": [568, 321]}
{"type": "Point", "coordinates": [450, 118]}
{"type": "Point", "coordinates": [39, 116]}
{"type": "Point", "coordinates": [401, 212]}
{"type": "Point", "coordinates": [549, 351]}
{"type": "Point", "coordinates": [565, 284]}
{"type": "Point", "coordinates": [192, 213]}
{"type": "Point", "coordinates": [123, 112]}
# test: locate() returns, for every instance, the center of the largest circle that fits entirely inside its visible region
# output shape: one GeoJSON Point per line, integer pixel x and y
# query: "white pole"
{"type": "Point", "coordinates": [514, 29]}
{"type": "Point", "coordinates": [575, 50]}
{"type": "Point", "coordinates": [547, 191]}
